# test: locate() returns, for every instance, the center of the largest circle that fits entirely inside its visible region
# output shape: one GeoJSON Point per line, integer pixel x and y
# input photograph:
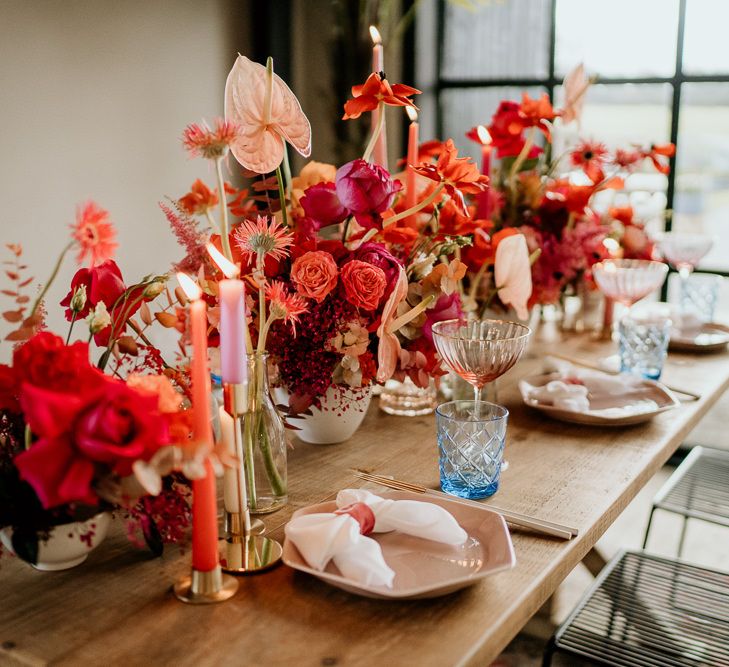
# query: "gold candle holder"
{"type": "Point", "coordinates": [205, 587]}
{"type": "Point", "coordinates": [244, 550]}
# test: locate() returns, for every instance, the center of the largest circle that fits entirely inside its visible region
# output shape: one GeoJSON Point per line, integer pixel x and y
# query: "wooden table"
{"type": "Point", "coordinates": [117, 609]}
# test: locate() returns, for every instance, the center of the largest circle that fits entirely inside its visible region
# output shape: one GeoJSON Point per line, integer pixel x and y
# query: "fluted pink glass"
{"type": "Point", "coordinates": [684, 251]}
{"type": "Point", "coordinates": [629, 280]}
{"type": "Point", "coordinates": [480, 350]}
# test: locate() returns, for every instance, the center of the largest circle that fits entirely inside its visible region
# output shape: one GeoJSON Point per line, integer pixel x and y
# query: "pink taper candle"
{"type": "Point", "coordinates": [379, 154]}
{"type": "Point", "coordinates": [411, 195]}
{"type": "Point", "coordinates": [204, 503]}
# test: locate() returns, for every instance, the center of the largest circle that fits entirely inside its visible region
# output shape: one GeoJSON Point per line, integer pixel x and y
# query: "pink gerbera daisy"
{"type": "Point", "coordinates": [94, 233]}
{"type": "Point", "coordinates": [201, 140]}
{"type": "Point", "coordinates": [262, 238]}
{"type": "Point", "coordinates": [284, 305]}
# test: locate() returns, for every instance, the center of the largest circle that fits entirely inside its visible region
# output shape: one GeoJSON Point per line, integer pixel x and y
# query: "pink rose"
{"type": "Point", "coordinates": [321, 204]}
{"type": "Point", "coordinates": [365, 189]}
{"type": "Point", "coordinates": [364, 284]}
{"type": "Point", "coordinates": [314, 274]}
{"type": "Point", "coordinates": [378, 255]}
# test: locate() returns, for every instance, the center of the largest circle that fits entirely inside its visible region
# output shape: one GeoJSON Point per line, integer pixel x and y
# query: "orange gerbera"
{"type": "Point", "coordinates": [534, 112]}
{"type": "Point", "coordinates": [284, 305]}
{"type": "Point", "coordinates": [458, 175]}
{"type": "Point", "coordinates": [367, 96]}
{"type": "Point", "coordinates": [199, 199]}
{"type": "Point", "coordinates": [210, 143]}
{"type": "Point", "coordinates": [591, 156]}
{"type": "Point", "coordinates": [258, 239]}
{"type": "Point", "coordinates": [94, 233]}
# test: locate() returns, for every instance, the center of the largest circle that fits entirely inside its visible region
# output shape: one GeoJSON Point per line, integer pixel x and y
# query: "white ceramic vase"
{"type": "Point", "coordinates": [64, 548]}
{"type": "Point", "coordinates": [343, 411]}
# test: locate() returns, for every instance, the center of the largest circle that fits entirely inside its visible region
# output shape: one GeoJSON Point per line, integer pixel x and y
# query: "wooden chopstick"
{"type": "Point", "coordinates": [594, 367]}
{"type": "Point", "coordinates": [521, 520]}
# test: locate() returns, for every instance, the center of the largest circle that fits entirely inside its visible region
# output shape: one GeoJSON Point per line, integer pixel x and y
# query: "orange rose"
{"type": "Point", "coordinates": [314, 274]}
{"type": "Point", "coordinates": [364, 284]}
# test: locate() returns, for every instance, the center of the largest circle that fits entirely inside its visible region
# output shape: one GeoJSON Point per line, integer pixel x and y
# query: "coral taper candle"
{"type": "Point", "coordinates": [204, 504]}
{"type": "Point", "coordinates": [379, 154]}
{"type": "Point", "coordinates": [411, 195]}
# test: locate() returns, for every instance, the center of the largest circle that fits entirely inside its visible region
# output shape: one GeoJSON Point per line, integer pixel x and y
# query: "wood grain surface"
{"type": "Point", "coordinates": [117, 609]}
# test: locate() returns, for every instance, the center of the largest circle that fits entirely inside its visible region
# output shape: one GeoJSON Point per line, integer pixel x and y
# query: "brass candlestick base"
{"type": "Point", "coordinates": [241, 555]}
{"type": "Point", "coordinates": [234, 527]}
{"type": "Point", "coordinates": [205, 587]}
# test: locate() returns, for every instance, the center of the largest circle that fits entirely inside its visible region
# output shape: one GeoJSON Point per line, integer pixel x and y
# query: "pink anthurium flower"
{"type": "Point", "coordinates": [575, 86]}
{"type": "Point", "coordinates": [388, 350]}
{"type": "Point", "coordinates": [513, 273]}
{"type": "Point", "coordinates": [267, 113]}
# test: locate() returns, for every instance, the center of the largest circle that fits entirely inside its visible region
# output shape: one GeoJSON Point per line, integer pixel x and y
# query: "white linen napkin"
{"type": "Point", "coordinates": [328, 536]}
{"type": "Point", "coordinates": [420, 519]}
{"type": "Point", "coordinates": [562, 395]}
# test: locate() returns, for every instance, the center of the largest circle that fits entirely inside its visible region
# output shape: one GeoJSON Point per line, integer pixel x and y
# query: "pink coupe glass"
{"type": "Point", "coordinates": [627, 281]}
{"type": "Point", "coordinates": [480, 350]}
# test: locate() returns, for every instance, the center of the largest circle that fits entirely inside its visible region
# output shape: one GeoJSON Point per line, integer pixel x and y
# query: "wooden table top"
{"type": "Point", "coordinates": [117, 607]}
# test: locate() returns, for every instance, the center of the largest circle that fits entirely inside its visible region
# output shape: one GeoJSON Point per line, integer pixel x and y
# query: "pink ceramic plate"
{"type": "Point", "coordinates": [711, 337]}
{"type": "Point", "coordinates": [423, 568]}
{"type": "Point", "coordinates": [624, 409]}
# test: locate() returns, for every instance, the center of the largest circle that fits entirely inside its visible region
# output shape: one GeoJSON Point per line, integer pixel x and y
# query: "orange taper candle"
{"type": "Point", "coordinates": [411, 195]}
{"type": "Point", "coordinates": [204, 503]}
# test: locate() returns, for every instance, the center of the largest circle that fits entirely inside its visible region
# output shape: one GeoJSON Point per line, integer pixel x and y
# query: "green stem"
{"type": "Point", "coordinates": [56, 268]}
{"type": "Point", "coordinates": [418, 207]}
{"type": "Point", "coordinates": [261, 300]}
{"type": "Point", "coordinates": [211, 221]}
{"type": "Point", "coordinates": [376, 133]}
{"type": "Point", "coordinates": [278, 486]}
{"type": "Point", "coordinates": [28, 437]}
{"type": "Point", "coordinates": [223, 200]}
{"type": "Point", "coordinates": [70, 329]}
{"type": "Point", "coordinates": [287, 168]}
{"type": "Point", "coordinates": [250, 470]}
{"type": "Point", "coordinates": [282, 195]}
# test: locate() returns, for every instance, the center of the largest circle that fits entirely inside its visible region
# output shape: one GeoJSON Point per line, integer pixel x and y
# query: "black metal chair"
{"type": "Point", "coordinates": [698, 489]}
{"type": "Point", "coordinates": [648, 611]}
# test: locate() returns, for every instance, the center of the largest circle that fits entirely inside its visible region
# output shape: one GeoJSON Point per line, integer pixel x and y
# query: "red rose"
{"type": "Point", "coordinates": [314, 274]}
{"type": "Point", "coordinates": [104, 282]}
{"type": "Point", "coordinates": [105, 426]}
{"type": "Point", "coordinates": [46, 361]}
{"type": "Point", "coordinates": [364, 284]}
{"type": "Point", "coordinates": [378, 255]}
{"type": "Point", "coordinates": [8, 389]}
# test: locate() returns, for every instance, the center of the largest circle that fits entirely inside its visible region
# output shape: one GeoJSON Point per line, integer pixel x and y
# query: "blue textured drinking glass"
{"type": "Point", "coordinates": [699, 295]}
{"type": "Point", "coordinates": [471, 438]}
{"type": "Point", "coordinates": [643, 344]}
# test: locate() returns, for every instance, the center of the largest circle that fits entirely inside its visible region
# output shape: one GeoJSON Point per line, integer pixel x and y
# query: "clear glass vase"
{"type": "Point", "coordinates": [406, 399]}
{"type": "Point", "coordinates": [264, 442]}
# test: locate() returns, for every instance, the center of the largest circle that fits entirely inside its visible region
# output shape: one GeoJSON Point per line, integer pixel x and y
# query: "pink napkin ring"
{"type": "Point", "coordinates": [362, 514]}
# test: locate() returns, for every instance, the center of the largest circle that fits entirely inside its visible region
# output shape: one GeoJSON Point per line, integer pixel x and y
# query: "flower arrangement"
{"type": "Point", "coordinates": [351, 269]}
{"type": "Point", "coordinates": [74, 440]}
{"type": "Point", "coordinates": [550, 198]}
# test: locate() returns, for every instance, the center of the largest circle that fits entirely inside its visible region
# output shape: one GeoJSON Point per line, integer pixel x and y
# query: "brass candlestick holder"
{"type": "Point", "coordinates": [206, 587]}
{"type": "Point", "coordinates": [244, 550]}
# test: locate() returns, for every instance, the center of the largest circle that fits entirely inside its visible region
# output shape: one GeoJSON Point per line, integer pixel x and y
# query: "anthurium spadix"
{"type": "Point", "coordinates": [267, 113]}
{"type": "Point", "coordinates": [513, 273]}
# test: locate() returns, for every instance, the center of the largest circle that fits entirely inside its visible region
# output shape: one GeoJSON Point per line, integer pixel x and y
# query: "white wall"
{"type": "Point", "coordinates": [94, 95]}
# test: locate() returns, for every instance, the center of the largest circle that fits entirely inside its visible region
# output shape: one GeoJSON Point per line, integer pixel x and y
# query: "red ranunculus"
{"type": "Point", "coordinates": [507, 131]}
{"type": "Point", "coordinates": [105, 423]}
{"type": "Point", "coordinates": [46, 361]}
{"type": "Point", "coordinates": [364, 284]}
{"type": "Point", "coordinates": [321, 204]}
{"type": "Point", "coordinates": [366, 190]}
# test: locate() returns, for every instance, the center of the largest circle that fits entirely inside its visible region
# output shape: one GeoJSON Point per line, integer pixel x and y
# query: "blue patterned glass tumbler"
{"type": "Point", "coordinates": [471, 437]}
{"type": "Point", "coordinates": [643, 344]}
{"type": "Point", "coordinates": [699, 295]}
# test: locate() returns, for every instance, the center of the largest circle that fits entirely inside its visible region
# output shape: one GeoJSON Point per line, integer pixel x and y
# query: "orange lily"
{"type": "Point", "coordinates": [457, 175]}
{"type": "Point", "coordinates": [376, 90]}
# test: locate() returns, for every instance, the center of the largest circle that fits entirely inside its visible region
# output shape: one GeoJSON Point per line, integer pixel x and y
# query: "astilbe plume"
{"type": "Point", "coordinates": [188, 236]}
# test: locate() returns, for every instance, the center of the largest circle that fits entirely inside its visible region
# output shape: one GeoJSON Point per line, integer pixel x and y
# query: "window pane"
{"type": "Point", "coordinates": [491, 43]}
{"type": "Point", "coordinates": [464, 108]}
{"type": "Point", "coordinates": [621, 114]}
{"type": "Point", "coordinates": [621, 38]}
{"type": "Point", "coordinates": [701, 203]}
{"type": "Point", "coordinates": [706, 22]}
